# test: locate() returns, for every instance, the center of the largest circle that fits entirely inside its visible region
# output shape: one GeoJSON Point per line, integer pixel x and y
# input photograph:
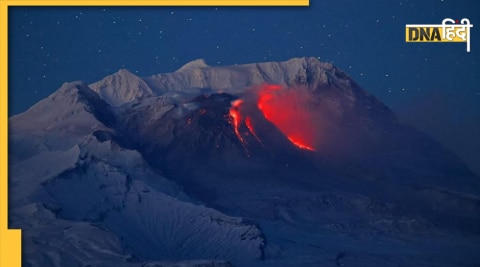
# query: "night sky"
{"type": "Point", "coordinates": [433, 86]}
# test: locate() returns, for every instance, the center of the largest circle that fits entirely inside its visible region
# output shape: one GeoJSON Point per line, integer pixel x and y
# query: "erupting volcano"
{"type": "Point", "coordinates": [191, 168]}
{"type": "Point", "coordinates": [286, 108]}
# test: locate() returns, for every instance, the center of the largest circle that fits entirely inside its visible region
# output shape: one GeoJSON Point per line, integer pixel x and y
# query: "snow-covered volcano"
{"type": "Point", "coordinates": [270, 164]}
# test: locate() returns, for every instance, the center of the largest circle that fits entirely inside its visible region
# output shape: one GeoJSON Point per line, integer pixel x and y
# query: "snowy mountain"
{"type": "Point", "coordinates": [266, 164]}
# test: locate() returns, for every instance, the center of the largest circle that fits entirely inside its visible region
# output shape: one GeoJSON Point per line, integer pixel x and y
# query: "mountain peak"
{"type": "Point", "coordinates": [121, 87]}
{"type": "Point", "coordinates": [197, 63]}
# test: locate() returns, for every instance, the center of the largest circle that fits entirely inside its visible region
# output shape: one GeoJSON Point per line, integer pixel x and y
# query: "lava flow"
{"type": "Point", "coordinates": [285, 108]}
{"type": "Point", "coordinates": [300, 144]}
{"type": "Point", "coordinates": [248, 123]}
{"type": "Point", "coordinates": [236, 118]}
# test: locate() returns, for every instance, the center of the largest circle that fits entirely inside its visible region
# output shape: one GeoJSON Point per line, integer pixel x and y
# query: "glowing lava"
{"type": "Point", "coordinates": [300, 145]}
{"type": "Point", "coordinates": [248, 123]}
{"type": "Point", "coordinates": [287, 110]}
{"type": "Point", "coordinates": [236, 118]}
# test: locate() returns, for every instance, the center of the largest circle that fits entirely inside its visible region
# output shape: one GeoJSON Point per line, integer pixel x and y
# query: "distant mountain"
{"type": "Point", "coordinates": [266, 164]}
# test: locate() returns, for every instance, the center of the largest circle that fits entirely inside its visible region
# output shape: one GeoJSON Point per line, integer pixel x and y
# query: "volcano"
{"type": "Point", "coordinates": [266, 164]}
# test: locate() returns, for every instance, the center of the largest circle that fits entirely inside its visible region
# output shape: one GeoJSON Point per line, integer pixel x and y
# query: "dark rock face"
{"type": "Point", "coordinates": [156, 167]}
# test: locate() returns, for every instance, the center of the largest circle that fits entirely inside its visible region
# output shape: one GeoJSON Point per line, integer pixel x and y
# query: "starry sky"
{"type": "Point", "coordinates": [432, 86]}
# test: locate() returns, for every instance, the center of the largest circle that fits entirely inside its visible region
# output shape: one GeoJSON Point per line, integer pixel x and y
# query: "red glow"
{"type": "Point", "coordinates": [286, 110]}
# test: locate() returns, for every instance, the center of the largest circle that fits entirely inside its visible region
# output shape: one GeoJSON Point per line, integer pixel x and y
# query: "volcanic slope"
{"type": "Point", "coordinates": [270, 164]}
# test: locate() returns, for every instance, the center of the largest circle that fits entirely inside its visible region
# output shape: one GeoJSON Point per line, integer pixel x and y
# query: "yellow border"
{"type": "Point", "coordinates": [10, 240]}
{"type": "Point", "coordinates": [157, 3]}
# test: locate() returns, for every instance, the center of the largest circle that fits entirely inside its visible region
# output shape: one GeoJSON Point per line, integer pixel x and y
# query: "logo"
{"type": "Point", "coordinates": [449, 31]}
